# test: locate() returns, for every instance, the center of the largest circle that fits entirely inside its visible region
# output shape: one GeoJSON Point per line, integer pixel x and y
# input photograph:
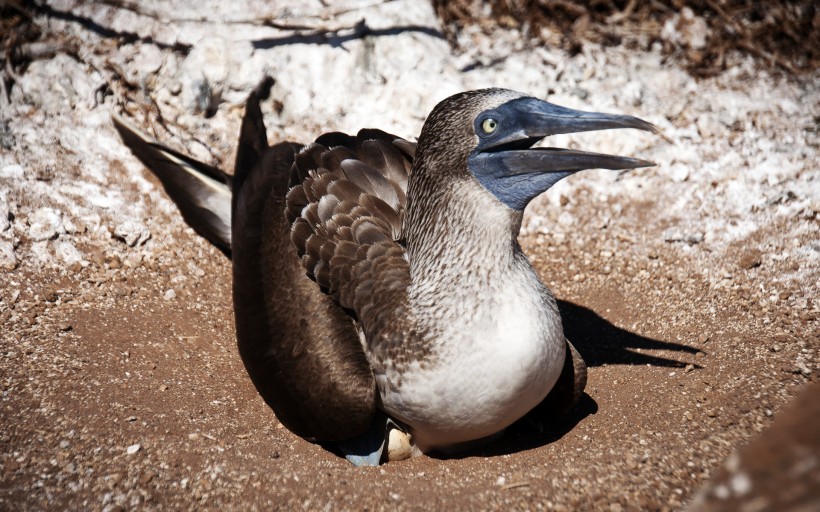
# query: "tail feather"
{"type": "Point", "coordinates": [253, 141]}
{"type": "Point", "coordinates": [201, 192]}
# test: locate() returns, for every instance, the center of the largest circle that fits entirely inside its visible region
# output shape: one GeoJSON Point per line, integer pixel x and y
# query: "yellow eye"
{"type": "Point", "coordinates": [489, 125]}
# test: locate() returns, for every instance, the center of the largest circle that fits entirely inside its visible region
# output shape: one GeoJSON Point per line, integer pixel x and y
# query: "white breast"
{"type": "Point", "coordinates": [493, 360]}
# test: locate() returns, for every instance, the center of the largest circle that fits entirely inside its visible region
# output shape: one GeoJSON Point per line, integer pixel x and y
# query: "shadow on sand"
{"type": "Point", "coordinates": [600, 343]}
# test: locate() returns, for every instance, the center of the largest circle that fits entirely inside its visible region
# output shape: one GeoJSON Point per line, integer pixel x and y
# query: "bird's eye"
{"type": "Point", "coordinates": [489, 125]}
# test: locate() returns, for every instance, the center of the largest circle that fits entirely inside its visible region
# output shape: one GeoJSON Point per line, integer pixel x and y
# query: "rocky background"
{"type": "Point", "coordinates": [690, 288]}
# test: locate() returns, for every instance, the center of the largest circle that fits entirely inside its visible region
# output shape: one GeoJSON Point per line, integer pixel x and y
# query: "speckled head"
{"type": "Point", "coordinates": [488, 135]}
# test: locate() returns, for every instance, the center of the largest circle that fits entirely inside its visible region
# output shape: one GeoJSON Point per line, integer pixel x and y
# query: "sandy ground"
{"type": "Point", "coordinates": [690, 288]}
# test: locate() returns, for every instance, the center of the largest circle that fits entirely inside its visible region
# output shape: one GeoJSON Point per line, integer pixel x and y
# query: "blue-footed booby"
{"type": "Point", "coordinates": [378, 284]}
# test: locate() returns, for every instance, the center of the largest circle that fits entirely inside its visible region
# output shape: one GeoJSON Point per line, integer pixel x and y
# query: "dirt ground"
{"type": "Point", "coordinates": [122, 387]}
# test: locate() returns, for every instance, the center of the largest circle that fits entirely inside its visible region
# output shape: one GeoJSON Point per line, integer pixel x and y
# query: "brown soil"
{"type": "Point", "coordinates": [116, 393]}
{"type": "Point", "coordinates": [98, 361]}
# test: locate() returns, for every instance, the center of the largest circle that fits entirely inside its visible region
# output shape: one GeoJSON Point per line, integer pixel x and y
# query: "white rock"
{"type": "Point", "coordinates": [11, 172]}
{"type": "Point", "coordinates": [70, 226]}
{"type": "Point", "coordinates": [148, 60]}
{"type": "Point", "coordinates": [686, 29]}
{"type": "Point", "coordinates": [70, 140]}
{"type": "Point", "coordinates": [170, 294]}
{"type": "Point", "coordinates": [741, 484]}
{"type": "Point", "coordinates": [710, 126]}
{"type": "Point", "coordinates": [132, 233]}
{"type": "Point", "coordinates": [68, 254]}
{"type": "Point", "coordinates": [134, 448]}
{"type": "Point", "coordinates": [207, 70]}
{"type": "Point", "coordinates": [53, 84]}
{"type": "Point", "coordinates": [133, 259]}
{"type": "Point", "coordinates": [566, 219]}
{"type": "Point", "coordinates": [5, 223]}
{"type": "Point", "coordinates": [678, 172]}
{"type": "Point", "coordinates": [40, 252]}
{"type": "Point", "coordinates": [8, 260]}
{"type": "Point", "coordinates": [45, 224]}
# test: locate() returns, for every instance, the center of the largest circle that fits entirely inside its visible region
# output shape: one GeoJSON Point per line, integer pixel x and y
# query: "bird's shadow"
{"type": "Point", "coordinates": [600, 343]}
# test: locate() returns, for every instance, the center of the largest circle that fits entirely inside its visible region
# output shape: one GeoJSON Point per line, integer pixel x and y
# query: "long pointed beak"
{"type": "Point", "coordinates": [507, 165]}
{"type": "Point", "coordinates": [537, 119]}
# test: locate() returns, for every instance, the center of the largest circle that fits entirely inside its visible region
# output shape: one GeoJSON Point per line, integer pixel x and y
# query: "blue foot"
{"type": "Point", "coordinates": [367, 448]}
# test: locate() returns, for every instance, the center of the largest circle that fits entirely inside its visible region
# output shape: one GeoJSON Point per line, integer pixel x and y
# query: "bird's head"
{"type": "Point", "coordinates": [488, 135]}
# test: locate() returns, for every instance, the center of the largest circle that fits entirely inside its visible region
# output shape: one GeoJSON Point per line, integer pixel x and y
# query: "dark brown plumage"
{"type": "Point", "coordinates": [340, 247]}
{"type": "Point", "coordinates": [300, 348]}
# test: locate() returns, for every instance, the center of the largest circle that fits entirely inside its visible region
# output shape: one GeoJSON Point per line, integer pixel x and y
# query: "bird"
{"type": "Point", "coordinates": [383, 304]}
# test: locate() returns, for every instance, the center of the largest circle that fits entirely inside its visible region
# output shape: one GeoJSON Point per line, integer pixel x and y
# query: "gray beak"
{"type": "Point", "coordinates": [534, 119]}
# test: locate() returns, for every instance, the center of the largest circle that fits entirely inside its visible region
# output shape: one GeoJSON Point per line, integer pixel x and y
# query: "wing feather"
{"type": "Point", "coordinates": [348, 209]}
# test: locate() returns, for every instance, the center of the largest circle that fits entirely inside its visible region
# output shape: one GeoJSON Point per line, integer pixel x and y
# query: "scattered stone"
{"type": "Point", "coordinates": [689, 368]}
{"type": "Point", "coordinates": [45, 224]}
{"type": "Point", "coordinates": [801, 367]}
{"type": "Point", "coordinates": [51, 295]}
{"type": "Point", "coordinates": [710, 126]}
{"type": "Point", "coordinates": [121, 290]}
{"type": "Point", "coordinates": [132, 233]}
{"type": "Point", "coordinates": [113, 261]}
{"type": "Point", "coordinates": [678, 172]}
{"type": "Point", "coordinates": [703, 338]}
{"type": "Point", "coordinates": [134, 448]}
{"type": "Point", "coordinates": [686, 29]}
{"type": "Point", "coordinates": [65, 326]}
{"type": "Point", "coordinates": [133, 259]}
{"type": "Point", "coordinates": [68, 254]}
{"type": "Point", "coordinates": [8, 260]}
{"type": "Point", "coordinates": [71, 227]}
{"type": "Point", "coordinates": [740, 483]}
{"type": "Point", "coordinates": [170, 294]}
{"type": "Point", "coordinates": [148, 61]}
{"type": "Point", "coordinates": [41, 253]}
{"type": "Point", "coordinates": [12, 172]}
{"type": "Point", "coordinates": [750, 259]}
{"type": "Point", "coordinates": [5, 217]}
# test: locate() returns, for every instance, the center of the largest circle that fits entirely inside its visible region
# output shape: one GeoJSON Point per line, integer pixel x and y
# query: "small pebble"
{"type": "Point", "coordinates": [45, 224]}
{"type": "Point", "coordinates": [750, 259]}
{"type": "Point", "coordinates": [134, 448]}
{"type": "Point", "coordinates": [132, 233]}
{"type": "Point", "coordinates": [169, 294]}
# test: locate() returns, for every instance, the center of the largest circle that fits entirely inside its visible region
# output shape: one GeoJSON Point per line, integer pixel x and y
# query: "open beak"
{"type": "Point", "coordinates": [535, 119]}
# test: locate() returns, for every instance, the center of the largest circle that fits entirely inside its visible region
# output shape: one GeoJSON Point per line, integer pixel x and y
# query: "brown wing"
{"type": "Point", "coordinates": [347, 207]}
{"type": "Point", "coordinates": [300, 348]}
